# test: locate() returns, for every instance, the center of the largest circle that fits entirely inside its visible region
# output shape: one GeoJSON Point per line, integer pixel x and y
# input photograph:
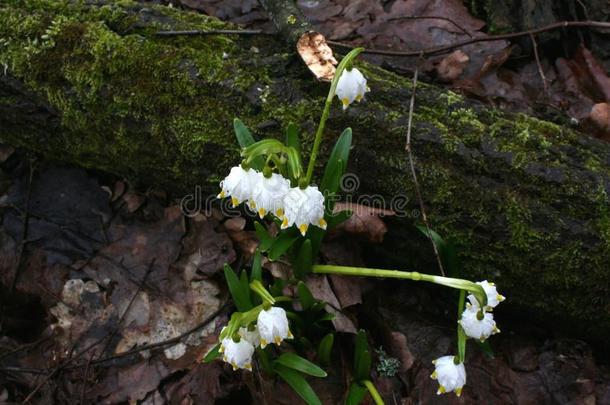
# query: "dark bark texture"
{"type": "Point", "coordinates": [525, 201]}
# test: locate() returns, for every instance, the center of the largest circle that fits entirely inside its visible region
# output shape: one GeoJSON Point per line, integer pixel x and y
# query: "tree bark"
{"type": "Point", "coordinates": [525, 201]}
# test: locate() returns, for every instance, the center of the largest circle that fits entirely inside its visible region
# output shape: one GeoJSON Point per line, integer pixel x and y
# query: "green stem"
{"type": "Point", "coordinates": [373, 391]}
{"type": "Point", "coordinates": [456, 283]}
{"type": "Point", "coordinates": [329, 100]}
{"type": "Point", "coordinates": [461, 335]}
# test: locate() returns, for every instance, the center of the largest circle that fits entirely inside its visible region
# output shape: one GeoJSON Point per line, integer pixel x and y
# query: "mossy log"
{"type": "Point", "coordinates": [525, 201]}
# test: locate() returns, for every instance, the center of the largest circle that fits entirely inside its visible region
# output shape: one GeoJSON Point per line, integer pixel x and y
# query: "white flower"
{"type": "Point", "coordinates": [450, 376]}
{"type": "Point", "coordinates": [493, 297]}
{"type": "Point", "coordinates": [304, 208]}
{"type": "Point", "coordinates": [273, 326]}
{"type": "Point", "coordinates": [250, 336]}
{"type": "Point", "coordinates": [239, 185]}
{"type": "Point", "coordinates": [478, 328]}
{"type": "Point", "coordinates": [351, 87]}
{"type": "Point", "coordinates": [237, 354]}
{"type": "Point", "coordinates": [268, 196]}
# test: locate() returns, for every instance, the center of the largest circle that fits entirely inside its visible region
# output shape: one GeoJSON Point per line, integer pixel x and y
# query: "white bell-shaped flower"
{"type": "Point", "coordinates": [239, 185]}
{"type": "Point", "coordinates": [250, 336]}
{"type": "Point", "coordinates": [450, 376]}
{"type": "Point", "coordinates": [273, 326]}
{"type": "Point", "coordinates": [268, 196]}
{"type": "Point", "coordinates": [304, 207]}
{"type": "Point", "coordinates": [477, 328]}
{"type": "Point", "coordinates": [493, 297]}
{"type": "Point", "coordinates": [237, 354]}
{"type": "Point", "coordinates": [351, 87]}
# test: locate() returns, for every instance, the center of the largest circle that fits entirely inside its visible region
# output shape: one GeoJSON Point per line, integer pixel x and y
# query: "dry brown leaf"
{"type": "Point", "coordinates": [600, 120]}
{"type": "Point", "coordinates": [452, 66]}
{"type": "Point", "coordinates": [317, 55]}
{"type": "Point", "coordinates": [6, 152]}
{"type": "Point", "coordinates": [133, 201]}
{"type": "Point", "coordinates": [365, 221]}
{"type": "Point", "coordinates": [321, 290]}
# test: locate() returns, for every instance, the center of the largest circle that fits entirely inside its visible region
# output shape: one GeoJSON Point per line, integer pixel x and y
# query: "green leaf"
{"type": "Point", "coordinates": [305, 296]}
{"type": "Point", "coordinates": [485, 347]}
{"type": "Point", "coordinates": [238, 293]}
{"type": "Point", "coordinates": [282, 243]}
{"type": "Point", "coordinates": [363, 367]}
{"type": "Point", "coordinates": [362, 357]}
{"type": "Point", "coordinates": [356, 394]}
{"type": "Point", "coordinates": [325, 348]}
{"type": "Point", "coordinates": [446, 250]}
{"type": "Point", "coordinates": [292, 137]}
{"type": "Point", "coordinates": [461, 344]}
{"type": "Point", "coordinates": [294, 162]}
{"type": "Point", "coordinates": [213, 354]}
{"type": "Point", "coordinates": [304, 261]}
{"type": "Point", "coordinates": [257, 269]}
{"type": "Point", "coordinates": [264, 236]}
{"type": "Point", "coordinates": [245, 284]}
{"type": "Point", "coordinates": [245, 139]}
{"type": "Point", "coordinates": [298, 384]}
{"type": "Point", "coordinates": [260, 148]}
{"type": "Point", "coordinates": [336, 163]}
{"type": "Point", "coordinates": [296, 362]}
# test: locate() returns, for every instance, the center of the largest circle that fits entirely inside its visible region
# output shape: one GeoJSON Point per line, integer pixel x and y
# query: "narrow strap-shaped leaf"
{"type": "Point", "coordinates": [257, 269]}
{"type": "Point", "coordinates": [305, 296]}
{"type": "Point", "coordinates": [282, 243]}
{"type": "Point", "coordinates": [245, 139]}
{"type": "Point", "coordinates": [294, 162]}
{"type": "Point", "coordinates": [265, 238]}
{"type": "Point", "coordinates": [213, 354]}
{"type": "Point", "coordinates": [238, 293]}
{"type": "Point", "coordinates": [356, 394]}
{"type": "Point", "coordinates": [304, 260]}
{"type": "Point", "coordinates": [292, 137]}
{"type": "Point", "coordinates": [296, 362]}
{"type": "Point", "coordinates": [298, 384]}
{"type": "Point", "coordinates": [363, 368]}
{"type": "Point", "coordinates": [325, 348]}
{"type": "Point", "coordinates": [340, 153]}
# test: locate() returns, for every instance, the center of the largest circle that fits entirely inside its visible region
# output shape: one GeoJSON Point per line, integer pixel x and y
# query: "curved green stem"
{"type": "Point", "coordinates": [374, 393]}
{"type": "Point", "coordinates": [456, 283]}
{"type": "Point", "coordinates": [329, 100]}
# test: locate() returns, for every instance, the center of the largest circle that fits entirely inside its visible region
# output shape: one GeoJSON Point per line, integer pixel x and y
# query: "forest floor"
{"type": "Point", "coordinates": [111, 295]}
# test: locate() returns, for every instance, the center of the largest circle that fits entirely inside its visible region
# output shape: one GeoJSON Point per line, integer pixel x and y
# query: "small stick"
{"type": "Point", "coordinates": [540, 70]}
{"type": "Point", "coordinates": [414, 174]}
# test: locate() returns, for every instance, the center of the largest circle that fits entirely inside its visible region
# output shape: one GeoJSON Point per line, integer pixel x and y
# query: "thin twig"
{"type": "Point", "coordinates": [488, 38]}
{"type": "Point", "coordinates": [540, 70]}
{"type": "Point", "coordinates": [414, 174]}
{"type": "Point", "coordinates": [24, 233]}
{"type": "Point", "coordinates": [430, 17]}
{"type": "Point", "coordinates": [210, 32]}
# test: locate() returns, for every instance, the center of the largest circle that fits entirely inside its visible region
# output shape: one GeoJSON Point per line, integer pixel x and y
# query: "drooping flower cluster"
{"type": "Point", "coordinates": [478, 323]}
{"type": "Point", "coordinates": [273, 194]}
{"type": "Point", "coordinates": [271, 327]}
{"type": "Point", "coordinates": [351, 87]}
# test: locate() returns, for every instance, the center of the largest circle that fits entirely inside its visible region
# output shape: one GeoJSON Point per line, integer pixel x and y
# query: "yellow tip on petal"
{"type": "Point", "coordinates": [458, 391]}
{"type": "Point", "coordinates": [441, 390]}
{"type": "Point", "coordinates": [492, 284]}
{"type": "Point", "coordinates": [433, 361]}
{"type": "Point", "coordinates": [290, 335]}
{"type": "Point", "coordinates": [303, 229]}
{"type": "Point", "coordinates": [249, 367]}
{"type": "Point", "coordinates": [284, 223]}
{"type": "Point", "coordinates": [323, 224]}
{"type": "Point", "coordinates": [345, 102]}
{"type": "Point", "coordinates": [359, 98]}
{"type": "Point", "coordinates": [234, 366]}
{"type": "Point", "coordinates": [279, 213]}
{"type": "Point", "coordinates": [252, 204]}
{"type": "Point", "coordinates": [234, 201]}
{"type": "Point", "coordinates": [500, 297]}
{"type": "Point", "coordinates": [433, 375]}
{"type": "Point", "coordinates": [261, 212]}
{"type": "Point", "coordinates": [277, 340]}
{"type": "Point", "coordinates": [222, 194]}
{"type": "Point", "coordinates": [264, 343]}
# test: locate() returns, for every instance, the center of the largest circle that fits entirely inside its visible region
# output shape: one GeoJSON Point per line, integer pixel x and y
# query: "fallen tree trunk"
{"type": "Point", "coordinates": [525, 201]}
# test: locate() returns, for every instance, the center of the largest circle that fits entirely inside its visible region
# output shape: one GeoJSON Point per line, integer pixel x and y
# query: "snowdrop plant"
{"type": "Point", "coordinates": [274, 330]}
